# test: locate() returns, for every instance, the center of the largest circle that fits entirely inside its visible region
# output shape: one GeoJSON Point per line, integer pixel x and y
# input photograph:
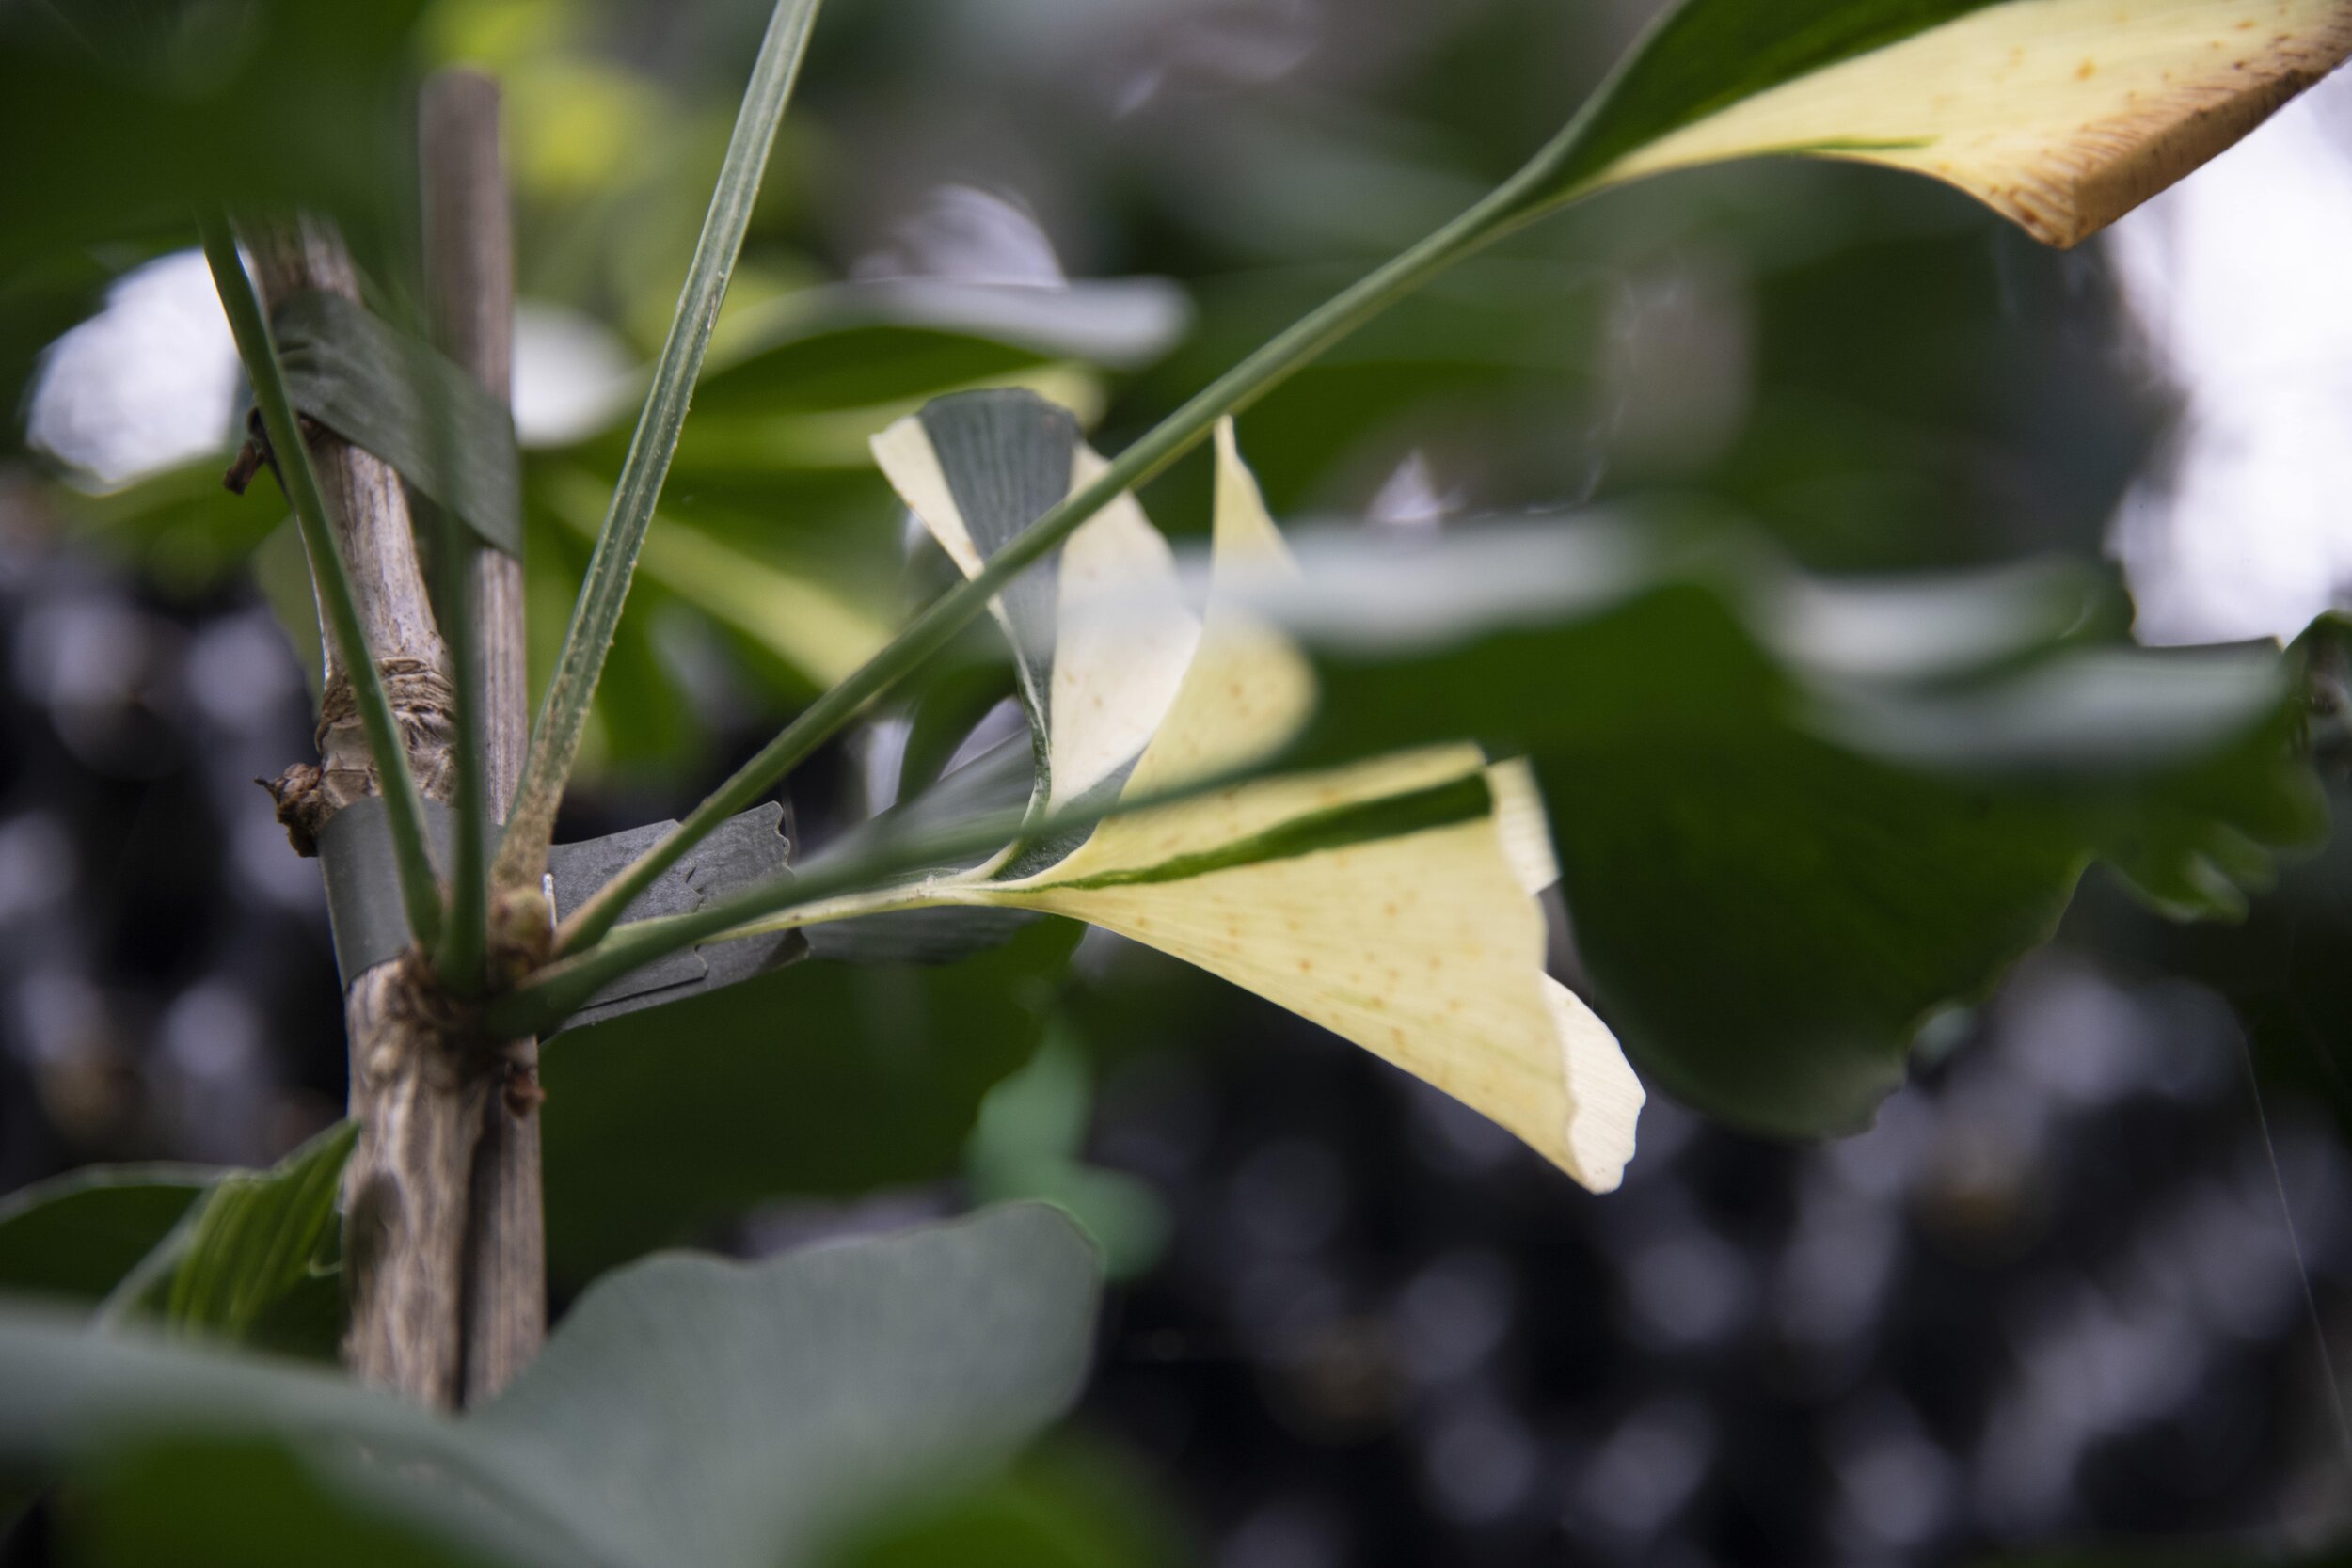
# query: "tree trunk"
{"type": "Point", "coordinates": [416, 1094]}
{"type": "Point", "coordinates": [469, 282]}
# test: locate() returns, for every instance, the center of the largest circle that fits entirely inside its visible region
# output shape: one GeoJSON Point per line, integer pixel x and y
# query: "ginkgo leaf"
{"type": "Point", "coordinates": [1397, 917]}
{"type": "Point", "coordinates": [2061, 115]}
{"type": "Point", "coordinates": [980, 467]}
{"type": "Point", "coordinates": [688, 1412]}
{"type": "Point", "coordinates": [1393, 902]}
{"type": "Point", "coordinates": [257, 1240]}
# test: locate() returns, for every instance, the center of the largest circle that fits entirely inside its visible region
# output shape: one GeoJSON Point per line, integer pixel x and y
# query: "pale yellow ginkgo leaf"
{"type": "Point", "coordinates": [1605, 1099]}
{"type": "Point", "coordinates": [1420, 943]}
{"type": "Point", "coordinates": [1248, 691]}
{"type": "Point", "coordinates": [1114, 678]}
{"type": "Point", "coordinates": [1393, 902]}
{"type": "Point", "coordinates": [2063, 115]}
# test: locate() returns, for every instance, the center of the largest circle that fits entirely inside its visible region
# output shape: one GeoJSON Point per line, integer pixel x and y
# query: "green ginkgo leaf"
{"type": "Point", "coordinates": [76, 1236]}
{"type": "Point", "coordinates": [237, 1256]}
{"type": "Point", "coordinates": [2061, 115]}
{"type": "Point", "coordinates": [689, 1412]}
{"type": "Point", "coordinates": [260, 1237]}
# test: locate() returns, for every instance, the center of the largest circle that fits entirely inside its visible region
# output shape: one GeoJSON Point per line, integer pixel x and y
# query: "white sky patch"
{"type": "Point", "coordinates": [152, 382]}
{"type": "Point", "coordinates": [148, 383]}
{"type": "Point", "coordinates": [573, 376]}
{"type": "Point", "coordinates": [2238, 276]}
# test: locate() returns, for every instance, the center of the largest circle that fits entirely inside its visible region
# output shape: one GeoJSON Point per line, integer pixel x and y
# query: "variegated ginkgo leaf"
{"type": "Point", "coordinates": [1393, 902]}
{"type": "Point", "coordinates": [2063, 115]}
{"type": "Point", "coordinates": [978, 470]}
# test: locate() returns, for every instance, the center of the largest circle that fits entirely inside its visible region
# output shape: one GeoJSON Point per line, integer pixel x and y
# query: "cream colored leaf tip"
{"type": "Point", "coordinates": [2063, 115]}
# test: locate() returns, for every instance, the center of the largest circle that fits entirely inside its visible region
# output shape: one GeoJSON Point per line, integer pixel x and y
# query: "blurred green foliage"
{"type": "Point", "coordinates": [75, 1237]}
{"type": "Point", "coordinates": [822, 1078]}
{"type": "Point", "coordinates": [1071, 1503]}
{"type": "Point", "coordinates": [685, 1410]}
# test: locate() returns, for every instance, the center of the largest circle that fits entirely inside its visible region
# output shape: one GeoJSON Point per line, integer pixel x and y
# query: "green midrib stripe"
{"type": "Point", "coordinates": [1463, 800]}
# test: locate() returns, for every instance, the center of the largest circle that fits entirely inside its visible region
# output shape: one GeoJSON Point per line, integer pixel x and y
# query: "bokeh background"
{"type": "Point", "coordinates": [2088, 1278]}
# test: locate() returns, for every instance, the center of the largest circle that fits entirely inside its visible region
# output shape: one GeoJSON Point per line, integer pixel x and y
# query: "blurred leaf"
{"type": "Point", "coordinates": [1789, 840]}
{"type": "Point", "coordinates": [835, 437]}
{"type": "Point", "coordinates": [77, 1235]}
{"type": "Point", "coordinates": [722, 1412]}
{"type": "Point", "coordinates": [822, 1079]}
{"type": "Point", "coordinates": [688, 1413]}
{"type": "Point", "coordinates": [247, 1500]}
{"type": "Point", "coordinates": [2282, 970]}
{"type": "Point", "coordinates": [144, 116]}
{"type": "Point", "coordinates": [801, 618]}
{"type": "Point", "coordinates": [1068, 1505]}
{"type": "Point", "coordinates": [1768, 922]}
{"type": "Point", "coordinates": [2061, 115]}
{"type": "Point", "coordinates": [1030, 1143]}
{"type": "Point", "coordinates": [181, 527]}
{"type": "Point", "coordinates": [858, 365]}
{"type": "Point", "coordinates": [1504, 349]}
{"type": "Point", "coordinates": [304, 1320]}
{"type": "Point", "coordinates": [281, 569]}
{"type": "Point", "coordinates": [855, 344]}
{"type": "Point", "coordinates": [39, 304]}
{"type": "Point", "coordinates": [259, 1240]}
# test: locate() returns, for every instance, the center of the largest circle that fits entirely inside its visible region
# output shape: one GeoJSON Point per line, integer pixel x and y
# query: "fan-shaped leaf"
{"type": "Point", "coordinates": [2061, 115]}
{"type": "Point", "coordinates": [688, 1413]}
{"type": "Point", "coordinates": [1393, 903]}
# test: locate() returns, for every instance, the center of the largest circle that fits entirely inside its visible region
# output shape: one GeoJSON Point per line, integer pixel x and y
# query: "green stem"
{"type": "Point", "coordinates": [899, 869]}
{"type": "Point", "coordinates": [563, 714]}
{"type": "Point", "coordinates": [896, 859]}
{"type": "Point", "coordinates": [1245, 384]}
{"type": "Point", "coordinates": [562, 988]}
{"type": "Point", "coordinates": [419, 893]}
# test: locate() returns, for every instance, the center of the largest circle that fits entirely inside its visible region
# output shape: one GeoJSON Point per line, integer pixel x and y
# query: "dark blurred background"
{"type": "Point", "coordinates": [2081, 1281]}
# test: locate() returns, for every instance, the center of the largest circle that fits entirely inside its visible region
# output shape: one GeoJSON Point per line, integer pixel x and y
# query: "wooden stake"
{"type": "Point", "coordinates": [469, 284]}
